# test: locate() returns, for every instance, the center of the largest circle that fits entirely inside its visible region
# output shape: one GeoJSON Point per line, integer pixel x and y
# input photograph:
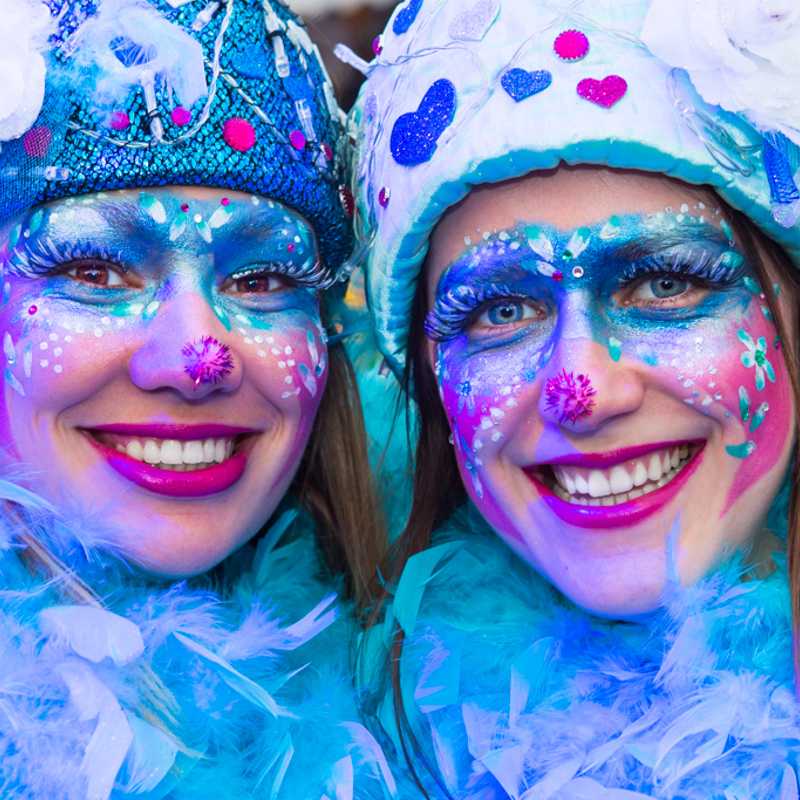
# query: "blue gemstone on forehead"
{"type": "Point", "coordinates": [405, 19]}
{"type": "Point", "coordinates": [415, 134]}
{"type": "Point", "coordinates": [521, 84]}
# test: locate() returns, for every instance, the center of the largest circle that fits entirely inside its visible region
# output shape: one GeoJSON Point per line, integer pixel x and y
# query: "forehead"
{"type": "Point", "coordinates": [566, 198]}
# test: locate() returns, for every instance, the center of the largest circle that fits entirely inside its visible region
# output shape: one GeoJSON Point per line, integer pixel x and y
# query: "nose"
{"type": "Point", "coordinates": [583, 386]}
{"type": "Point", "coordinates": [186, 349]}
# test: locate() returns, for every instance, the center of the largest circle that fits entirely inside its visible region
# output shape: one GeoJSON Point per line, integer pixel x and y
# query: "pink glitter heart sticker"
{"type": "Point", "coordinates": [606, 92]}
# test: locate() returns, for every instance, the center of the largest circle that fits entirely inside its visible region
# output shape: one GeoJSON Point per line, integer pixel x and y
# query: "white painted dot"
{"type": "Point", "coordinates": [197, 218]}
{"type": "Point", "coordinates": [106, 320]}
{"type": "Point", "coordinates": [262, 353]}
{"type": "Point", "coordinates": [248, 340]}
{"type": "Point", "coordinates": [44, 362]}
{"type": "Point", "coordinates": [67, 338]}
{"type": "Point", "coordinates": [685, 208]}
{"type": "Point", "coordinates": [53, 337]}
{"type": "Point", "coordinates": [254, 200]}
{"type": "Point", "coordinates": [57, 368]}
{"type": "Point", "coordinates": [57, 352]}
{"type": "Point", "coordinates": [282, 364]}
{"type": "Point", "coordinates": [270, 340]}
{"type": "Point", "coordinates": [98, 333]}
{"type": "Point", "coordinates": [288, 350]}
{"type": "Point", "coordinates": [259, 339]}
{"type": "Point", "coordinates": [287, 379]}
{"type": "Point", "coordinates": [290, 362]}
{"type": "Point", "coordinates": [275, 351]}
{"type": "Point", "coordinates": [43, 345]}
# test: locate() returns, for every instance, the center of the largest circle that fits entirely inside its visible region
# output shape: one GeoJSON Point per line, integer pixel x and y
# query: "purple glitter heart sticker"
{"type": "Point", "coordinates": [405, 19]}
{"type": "Point", "coordinates": [606, 92]}
{"type": "Point", "coordinates": [415, 134]}
{"type": "Point", "coordinates": [520, 83]}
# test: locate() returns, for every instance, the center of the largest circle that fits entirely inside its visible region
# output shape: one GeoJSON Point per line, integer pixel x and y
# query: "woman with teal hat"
{"type": "Point", "coordinates": [171, 231]}
{"type": "Point", "coordinates": [584, 249]}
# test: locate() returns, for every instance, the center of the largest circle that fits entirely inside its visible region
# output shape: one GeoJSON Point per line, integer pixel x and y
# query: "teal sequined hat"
{"type": "Point", "coordinates": [222, 93]}
{"type": "Point", "coordinates": [461, 94]}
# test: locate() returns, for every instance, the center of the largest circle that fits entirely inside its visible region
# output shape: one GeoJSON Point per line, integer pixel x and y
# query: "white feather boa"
{"type": "Point", "coordinates": [513, 693]}
{"type": "Point", "coordinates": [176, 692]}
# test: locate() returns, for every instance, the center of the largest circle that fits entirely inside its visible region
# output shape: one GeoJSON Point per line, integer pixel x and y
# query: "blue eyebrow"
{"type": "Point", "coordinates": [506, 266]}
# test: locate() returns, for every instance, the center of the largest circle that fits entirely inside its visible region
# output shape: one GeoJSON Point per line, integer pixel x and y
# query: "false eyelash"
{"type": "Point", "coordinates": [46, 257]}
{"type": "Point", "coordinates": [314, 275]}
{"type": "Point", "coordinates": [445, 321]}
{"type": "Point", "coordinates": [713, 272]}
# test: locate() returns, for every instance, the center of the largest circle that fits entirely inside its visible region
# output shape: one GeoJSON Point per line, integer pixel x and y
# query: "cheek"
{"type": "Point", "coordinates": [732, 371]}
{"type": "Point", "coordinates": [288, 356]}
{"type": "Point", "coordinates": [55, 358]}
{"type": "Point", "coordinates": [482, 396]}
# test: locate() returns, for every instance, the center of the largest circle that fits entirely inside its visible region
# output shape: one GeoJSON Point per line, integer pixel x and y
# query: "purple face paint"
{"type": "Point", "coordinates": [604, 381]}
{"type": "Point", "coordinates": [101, 295]}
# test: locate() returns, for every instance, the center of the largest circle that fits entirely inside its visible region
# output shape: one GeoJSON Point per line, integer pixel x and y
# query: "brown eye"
{"type": "Point", "coordinates": [259, 283]}
{"type": "Point", "coordinates": [96, 273]}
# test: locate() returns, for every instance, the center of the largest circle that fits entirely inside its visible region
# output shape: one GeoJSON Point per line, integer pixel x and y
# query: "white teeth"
{"type": "Point", "coordinates": [620, 480]}
{"type": "Point", "coordinates": [598, 484]}
{"type": "Point", "coordinates": [135, 449]}
{"type": "Point", "coordinates": [152, 452]}
{"type": "Point", "coordinates": [171, 452]}
{"type": "Point", "coordinates": [620, 483]}
{"type": "Point", "coordinates": [639, 477]}
{"type": "Point", "coordinates": [193, 453]}
{"type": "Point", "coordinates": [177, 455]}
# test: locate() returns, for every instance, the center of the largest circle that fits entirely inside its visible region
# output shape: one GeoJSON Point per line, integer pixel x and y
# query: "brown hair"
{"type": "Point", "coordinates": [335, 482]}
{"type": "Point", "coordinates": [434, 500]}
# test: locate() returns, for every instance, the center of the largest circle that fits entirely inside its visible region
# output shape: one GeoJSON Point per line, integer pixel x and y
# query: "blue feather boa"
{"type": "Point", "coordinates": [174, 691]}
{"type": "Point", "coordinates": [511, 692]}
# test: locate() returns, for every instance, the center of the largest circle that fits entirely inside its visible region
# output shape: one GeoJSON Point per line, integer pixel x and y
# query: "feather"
{"type": "Point", "coordinates": [247, 688]}
{"type": "Point", "coordinates": [128, 43]}
{"type": "Point", "coordinates": [94, 633]}
{"type": "Point", "coordinates": [694, 703]}
{"type": "Point", "coordinates": [149, 758]}
{"type": "Point", "coordinates": [112, 735]}
{"type": "Point", "coordinates": [371, 753]}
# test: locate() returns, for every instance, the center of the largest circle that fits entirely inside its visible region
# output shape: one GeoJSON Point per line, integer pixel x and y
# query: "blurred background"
{"type": "Point", "coordinates": [355, 23]}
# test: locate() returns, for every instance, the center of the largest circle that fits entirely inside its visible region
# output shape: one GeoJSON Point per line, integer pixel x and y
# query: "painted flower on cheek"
{"type": "Point", "coordinates": [756, 356]}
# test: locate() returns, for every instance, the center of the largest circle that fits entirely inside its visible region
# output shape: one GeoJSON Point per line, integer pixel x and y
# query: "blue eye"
{"type": "Point", "coordinates": [663, 288]}
{"type": "Point", "coordinates": [508, 312]}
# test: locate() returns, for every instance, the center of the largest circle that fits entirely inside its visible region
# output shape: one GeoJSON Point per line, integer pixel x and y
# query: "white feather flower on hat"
{"type": "Point", "coordinates": [743, 55]}
{"type": "Point", "coordinates": [24, 31]}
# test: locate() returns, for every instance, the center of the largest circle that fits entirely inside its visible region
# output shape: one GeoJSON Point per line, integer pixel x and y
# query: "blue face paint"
{"type": "Point", "coordinates": [633, 277]}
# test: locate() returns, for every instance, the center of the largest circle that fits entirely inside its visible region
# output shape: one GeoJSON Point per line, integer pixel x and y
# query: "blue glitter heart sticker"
{"type": "Point", "coordinates": [520, 83]}
{"type": "Point", "coordinates": [405, 19]}
{"type": "Point", "coordinates": [415, 134]}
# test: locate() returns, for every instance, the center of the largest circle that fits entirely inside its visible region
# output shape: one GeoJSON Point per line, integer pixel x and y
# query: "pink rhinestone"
{"type": "Point", "coordinates": [290, 248]}
{"type": "Point", "coordinates": [181, 116]}
{"type": "Point", "coordinates": [377, 46]}
{"type": "Point", "coordinates": [571, 45]}
{"type": "Point", "coordinates": [326, 148]}
{"type": "Point", "coordinates": [32, 310]}
{"type": "Point", "coordinates": [119, 120]}
{"type": "Point", "coordinates": [383, 197]}
{"type": "Point", "coordinates": [225, 201]}
{"type": "Point", "coordinates": [558, 276]}
{"type": "Point", "coordinates": [184, 207]}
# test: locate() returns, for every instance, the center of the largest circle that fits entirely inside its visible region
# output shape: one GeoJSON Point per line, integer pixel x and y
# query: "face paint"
{"type": "Point", "coordinates": [600, 382]}
{"type": "Point", "coordinates": [102, 296]}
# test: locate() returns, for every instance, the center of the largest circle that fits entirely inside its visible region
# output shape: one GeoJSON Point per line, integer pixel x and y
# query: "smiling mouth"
{"type": "Point", "coordinates": [619, 483]}
{"type": "Point", "coordinates": [172, 454]}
